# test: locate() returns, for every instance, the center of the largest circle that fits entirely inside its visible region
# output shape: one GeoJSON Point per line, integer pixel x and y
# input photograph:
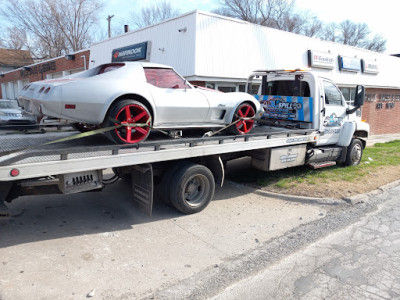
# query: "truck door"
{"type": "Point", "coordinates": [333, 112]}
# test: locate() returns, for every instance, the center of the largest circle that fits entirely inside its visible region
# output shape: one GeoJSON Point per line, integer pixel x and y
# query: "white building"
{"type": "Point", "coordinates": [221, 52]}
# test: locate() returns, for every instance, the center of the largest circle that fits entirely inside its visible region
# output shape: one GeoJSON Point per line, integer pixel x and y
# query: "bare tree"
{"type": "Point", "coordinates": [279, 14]}
{"type": "Point", "coordinates": [351, 33]}
{"type": "Point", "coordinates": [283, 15]}
{"type": "Point", "coordinates": [354, 34]}
{"type": "Point", "coordinates": [329, 32]}
{"type": "Point", "coordinates": [75, 18]}
{"type": "Point", "coordinates": [377, 43]}
{"type": "Point", "coordinates": [312, 27]}
{"type": "Point", "coordinates": [269, 13]}
{"type": "Point", "coordinates": [155, 13]}
{"type": "Point", "coordinates": [52, 27]}
{"type": "Point", "coordinates": [247, 10]}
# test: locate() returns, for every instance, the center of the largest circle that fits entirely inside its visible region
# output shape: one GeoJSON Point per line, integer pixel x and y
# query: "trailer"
{"type": "Point", "coordinates": [305, 123]}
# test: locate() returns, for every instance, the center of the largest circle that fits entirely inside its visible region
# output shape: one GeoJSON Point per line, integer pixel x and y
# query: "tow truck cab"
{"type": "Point", "coordinates": [302, 99]}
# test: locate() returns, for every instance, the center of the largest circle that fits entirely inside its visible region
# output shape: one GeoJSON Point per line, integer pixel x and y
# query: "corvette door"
{"type": "Point", "coordinates": [177, 104]}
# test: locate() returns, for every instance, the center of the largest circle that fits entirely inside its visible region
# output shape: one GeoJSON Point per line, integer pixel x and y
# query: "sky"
{"type": "Point", "coordinates": [380, 16]}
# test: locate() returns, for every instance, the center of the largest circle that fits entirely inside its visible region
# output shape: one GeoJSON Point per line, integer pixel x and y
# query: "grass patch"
{"type": "Point", "coordinates": [380, 155]}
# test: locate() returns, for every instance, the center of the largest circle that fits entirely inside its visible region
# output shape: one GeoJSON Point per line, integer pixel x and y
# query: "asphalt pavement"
{"type": "Point", "coordinates": [96, 245]}
{"type": "Point", "coordinates": [361, 261]}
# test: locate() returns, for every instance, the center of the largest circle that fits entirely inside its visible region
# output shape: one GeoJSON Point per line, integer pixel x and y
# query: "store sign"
{"type": "Point", "coordinates": [132, 53]}
{"type": "Point", "coordinates": [38, 69]}
{"type": "Point", "coordinates": [369, 66]}
{"type": "Point", "coordinates": [321, 60]}
{"type": "Point", "coordinates": [349, 64]}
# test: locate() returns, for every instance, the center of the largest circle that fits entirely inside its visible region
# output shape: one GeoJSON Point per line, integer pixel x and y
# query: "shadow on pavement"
{"type": "Point", "coordinates": [38, 218]}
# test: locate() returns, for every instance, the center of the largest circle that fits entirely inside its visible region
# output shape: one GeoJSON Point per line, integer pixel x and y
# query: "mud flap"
{"type": "Point", "coordinates": [3, 211]}
{"type": "Point", "coordinates": [5, 188]}
{"type": "Point", "coordinates": [142, 187]}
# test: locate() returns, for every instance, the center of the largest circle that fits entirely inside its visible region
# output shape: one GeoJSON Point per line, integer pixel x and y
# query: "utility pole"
{"type": "Point", "coordinates": [109, 25]}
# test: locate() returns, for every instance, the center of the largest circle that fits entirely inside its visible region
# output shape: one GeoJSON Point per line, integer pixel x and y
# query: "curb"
{"type": "Point", "coordinates": [356, 199]}
{"type": "Point", "coordinates": [361, 198]}
{"type": "Point", "coordinates": [303, 199]}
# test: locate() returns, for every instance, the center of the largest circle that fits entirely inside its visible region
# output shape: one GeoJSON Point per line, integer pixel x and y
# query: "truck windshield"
{"type": "Point", "coordinates": [287, 88]}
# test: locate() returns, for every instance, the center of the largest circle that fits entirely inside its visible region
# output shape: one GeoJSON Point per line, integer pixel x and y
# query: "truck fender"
{"type": "Point", "coordinates": [346, 134]}
{"type": "Point", "coordinates": [216, 166]}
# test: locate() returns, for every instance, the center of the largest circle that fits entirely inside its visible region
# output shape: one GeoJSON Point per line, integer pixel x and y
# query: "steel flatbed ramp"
{"type": "Point", "coordinates": [96, 152]}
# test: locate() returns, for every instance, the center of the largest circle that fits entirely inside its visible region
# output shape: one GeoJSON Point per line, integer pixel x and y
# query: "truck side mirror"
{"type": "Point", "coordinates": [360, 95]}
{"type": "Point", "coordinates": [359, 99]}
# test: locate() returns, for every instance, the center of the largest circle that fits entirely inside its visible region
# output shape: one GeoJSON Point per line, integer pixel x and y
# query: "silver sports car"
{"type": "Point", "coordinates": [135, 97]}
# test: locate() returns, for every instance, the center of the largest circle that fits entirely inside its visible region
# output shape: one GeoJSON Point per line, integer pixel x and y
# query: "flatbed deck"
{"type": "Point", "coordinates": [35, 159]}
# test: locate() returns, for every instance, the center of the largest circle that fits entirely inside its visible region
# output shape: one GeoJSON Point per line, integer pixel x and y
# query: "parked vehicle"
{"type": "Point", "coordinates": [138, 96]}
{"type": "Point", "coordinates": [12, 115]}
{"type": "Point", "coordinates": [306, 122]}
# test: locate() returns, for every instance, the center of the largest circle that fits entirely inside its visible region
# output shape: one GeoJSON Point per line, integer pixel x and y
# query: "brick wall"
{"type": "Point", "coordinates": [40, 70]}
{"type": "Point", "coordinates": [198, 83]}
{"type": "Point", "coordinates": [382, 110]}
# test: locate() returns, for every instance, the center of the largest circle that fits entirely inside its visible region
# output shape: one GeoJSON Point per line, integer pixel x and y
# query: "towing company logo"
{"type": "Point", "coordinates": [278, 107]}
{"type": "Point", "coordinates": [332, 120]}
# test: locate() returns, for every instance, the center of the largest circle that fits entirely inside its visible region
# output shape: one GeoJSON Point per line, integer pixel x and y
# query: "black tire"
{"type": "Point", "coordinates": [354, 153]}
{"type": "Point", "coordinates": [192, 188]}
{"type": "Point", "coordinates": [128, 135]}
{"type": "Point", "coordinates": [168, 178]}
{"type": "Point", "coordinates": [245, 110]}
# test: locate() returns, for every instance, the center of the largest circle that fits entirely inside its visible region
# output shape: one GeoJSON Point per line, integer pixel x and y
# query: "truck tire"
{"type": "Point", "coordinates": [192, 188]}
{"type": "Point", "coordinates": [168, 178]}
{"type": "Point", "coordinates": [354, 153]}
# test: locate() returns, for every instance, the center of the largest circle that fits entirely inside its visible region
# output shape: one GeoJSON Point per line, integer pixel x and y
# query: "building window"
{"type": "Point", "coordinates": [74, 71]}
{"type": "Point", "coordinates": [227, 89]}
{"type": "Point", "coordinates": [4, 91]}
{"type": "Point", "coordinates": [370, 97]}
{"type": "Point", "coordinates": [254, 88]}
{"type": "Point", "coordinates": [349, 94]}
{"type": "Point", "coordinates": [210, 85]}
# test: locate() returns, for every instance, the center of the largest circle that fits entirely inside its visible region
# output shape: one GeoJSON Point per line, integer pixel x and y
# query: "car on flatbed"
{"type": "Point", "coordinates": [134, 97]}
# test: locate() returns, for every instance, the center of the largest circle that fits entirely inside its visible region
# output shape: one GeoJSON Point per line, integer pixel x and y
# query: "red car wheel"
{"type": "Point", "coordinates": [129, 113]}
{"type": "Point", "coordinates": [246, 113]}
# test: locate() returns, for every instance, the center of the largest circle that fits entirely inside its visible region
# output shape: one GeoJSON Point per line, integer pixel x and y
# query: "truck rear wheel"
{"type": "Point", "coordinates": [192, 188]}
{"type": "Point", "coordinates": [354, 153]}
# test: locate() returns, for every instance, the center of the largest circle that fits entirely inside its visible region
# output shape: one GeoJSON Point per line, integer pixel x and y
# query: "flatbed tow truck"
{"type": "Point", "coordinates": [301, 128]}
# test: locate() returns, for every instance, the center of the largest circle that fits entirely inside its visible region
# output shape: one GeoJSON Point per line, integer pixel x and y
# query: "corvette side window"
{"type": "Point", "coordinates": [164, 78]}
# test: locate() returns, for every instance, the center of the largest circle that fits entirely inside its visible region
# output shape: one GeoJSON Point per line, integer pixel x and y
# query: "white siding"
{"type": "Point", "coordinates": [168, 45]}
{"type": "Point", "coordinates": [219, 49]}
{"type": "Point", "coordinates": [231, 48]}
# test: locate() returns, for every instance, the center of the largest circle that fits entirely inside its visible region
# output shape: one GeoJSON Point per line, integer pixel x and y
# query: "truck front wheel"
{"type": "Point", "coordinates": [354, 153]}
{"type": "Point", "coordinates": [192, 188]}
